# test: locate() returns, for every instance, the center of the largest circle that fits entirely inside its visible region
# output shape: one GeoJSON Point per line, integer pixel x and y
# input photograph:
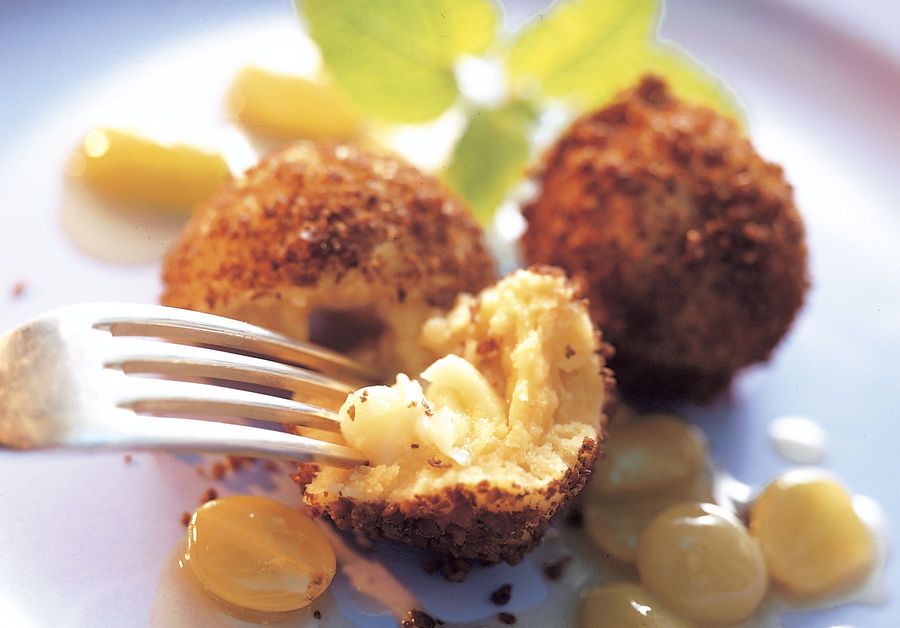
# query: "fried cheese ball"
{"type": "Point", "coordinates": [331, 243]}
{"type": "Point", "coordinates": [498, 439]}
{"type": "Point", "coordinates": [689, 243]}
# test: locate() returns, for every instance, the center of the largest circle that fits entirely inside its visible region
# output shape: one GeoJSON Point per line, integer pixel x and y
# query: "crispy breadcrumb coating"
{"type": "Point", "coordinates": [327, 235]}
{"type": "Point", "coordinates": [689, 243]}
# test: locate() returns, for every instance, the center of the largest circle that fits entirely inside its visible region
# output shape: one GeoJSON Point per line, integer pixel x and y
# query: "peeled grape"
{"type": "Point", "coordinates": [258, 554]}
{"type": "Point", "coordinates": [703, 562]}
{"type": "Point", "coordinates": [812, 539]}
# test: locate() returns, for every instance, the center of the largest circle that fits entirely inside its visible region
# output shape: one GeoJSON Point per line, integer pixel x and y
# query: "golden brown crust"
{"type": "Point", "coordinates": [689, 243]}
{"type": "Point", "coordinates": [318, 209]}
{"type": "Point", "coordinates": [327, 225]}
{"type": "Point", "coordinates": [453, 521]}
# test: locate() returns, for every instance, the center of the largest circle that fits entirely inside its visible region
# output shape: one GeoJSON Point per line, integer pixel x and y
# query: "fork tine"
{"type": "Point", "coordinates": [192, 435]}
{"type": "Point", "coordinates": [66, 383]}
{"type": "Point", "coordinates": [199, 327]}
{"type": "Point", "coordinates": [177, 398]}
{"type": "Point", "coordinates": [134, 355]}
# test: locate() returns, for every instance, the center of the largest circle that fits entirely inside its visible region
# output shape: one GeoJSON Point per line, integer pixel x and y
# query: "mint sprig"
{"type": "Point", "coordinates": [396, 60]}
{"type": "Point", "coordinates": [584, 51]}
{"type": "Point", "coordinates": [491, 155]}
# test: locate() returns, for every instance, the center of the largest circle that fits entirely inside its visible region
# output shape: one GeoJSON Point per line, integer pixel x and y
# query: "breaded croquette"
{"type": "Point", "coordinates": [689, 243]}
{"type": "Point", "coordinates": [332, 243]}
{"type": "Point", "coordinates": [496, 436]}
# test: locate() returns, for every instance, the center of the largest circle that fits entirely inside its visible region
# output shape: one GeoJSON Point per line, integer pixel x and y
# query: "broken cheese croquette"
{"type": "Point", "coordinates": [331, 243]}
{"type": "Point", "coordinates": [689, 243]}
{"type": "Point", "coordinates": [501, 435]}
{"type": "Point", "coordinates": [500, 432]}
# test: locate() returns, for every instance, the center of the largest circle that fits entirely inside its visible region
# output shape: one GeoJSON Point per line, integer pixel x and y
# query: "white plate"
{"type": "Point", "coordinates": [85, 536]}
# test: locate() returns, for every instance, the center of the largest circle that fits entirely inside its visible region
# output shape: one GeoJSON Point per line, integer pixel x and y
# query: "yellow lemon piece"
{"type": "Point", "coordinates": [288, 107]}
{"type": "Point", "coordinates": [703, 562]}
{"type": "Point", "coordinates": [625, 605]}
{"type": "Point", "coordinates": [258, 554]}
{"type": "Point", "coordinates": [125, 168]}
{"type": "Point", "coordinates": [812, 538]}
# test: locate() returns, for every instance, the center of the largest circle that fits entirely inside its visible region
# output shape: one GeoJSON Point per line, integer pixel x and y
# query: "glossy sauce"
{"type": "Point", "coordinates": [798, 439]}
{"type": "Point", "coordinates": [845, 545]}
{"type": "Point", "coordinates": [376, 589]}
{"type": "Point", "coordinates": [365, 586]}
{"type": "Point", "coordinates": [114, 234]}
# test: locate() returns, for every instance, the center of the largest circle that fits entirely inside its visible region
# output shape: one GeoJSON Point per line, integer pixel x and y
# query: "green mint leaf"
{"type": "Point", "coordinates": [584, 51]}
{"type": "Point", "coordinates": [490, 156]}
{"type": "Point", "coordinates": [394, 58]}
{"type": "Point", "coordinates": [587, 51]}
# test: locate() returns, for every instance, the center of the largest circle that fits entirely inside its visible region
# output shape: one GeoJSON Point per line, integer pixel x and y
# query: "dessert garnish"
{"type": "Point", "coordinates": [701, 553]}
{"type": "Point", "coordinates": [575, 55]}
{"type": "Point", "coordinates": [290, 107]}
{"type": "Point", "coordinates": [812, 538]}
{"type": "Point", "coordinates": [127, 169]}
{"type": "Point", "coordinates": [258, 554]}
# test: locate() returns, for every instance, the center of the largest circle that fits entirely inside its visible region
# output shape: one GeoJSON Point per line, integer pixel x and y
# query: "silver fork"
{"type": "Point", "coordinates": [126, 376]}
